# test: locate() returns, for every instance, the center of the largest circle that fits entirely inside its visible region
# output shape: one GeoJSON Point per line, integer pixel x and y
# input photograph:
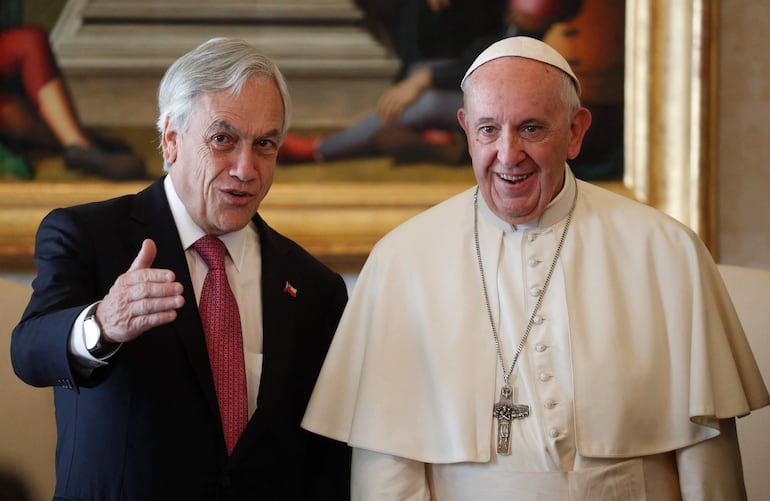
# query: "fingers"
{"type": "Point", "coordinates": [132, 308]}
{"type": "Point", "coordinates": [140, 299]}
{"type": "Point", "coordinates": [387, 114]}
{"type": "Point", "coordinates": [141, 316]}
{"type": "Point", "coordinates": [390, 105]}
{"type": "Point", "coordinates": [401, 95]}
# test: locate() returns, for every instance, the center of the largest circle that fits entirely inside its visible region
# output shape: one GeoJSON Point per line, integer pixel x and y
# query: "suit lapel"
{"type": "Point", "coordinates": [279, 310]}
{"type": "Point", "coordinates": [151, 218]}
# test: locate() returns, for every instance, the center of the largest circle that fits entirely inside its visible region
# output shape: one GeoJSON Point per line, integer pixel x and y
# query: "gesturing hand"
{"type": "Point", "coordinates": [140, 299]}
{"type": "Point", "coordinates": [393, 102]}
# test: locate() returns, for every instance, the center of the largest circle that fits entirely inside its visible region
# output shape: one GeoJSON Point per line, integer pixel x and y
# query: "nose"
{"type": "Point", "coordinates": [244, 164]}
{"type": "Point", "coordinates": [510, 149]}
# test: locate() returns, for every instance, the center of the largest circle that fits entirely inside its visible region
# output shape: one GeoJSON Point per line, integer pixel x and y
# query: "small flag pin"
{"type": "Point", "coordinates": [291, 290]}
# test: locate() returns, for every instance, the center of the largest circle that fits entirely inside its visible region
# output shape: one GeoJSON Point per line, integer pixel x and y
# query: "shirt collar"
{"type": "Point", "coordinates": [556, 210]}
{"type": "Point", "coordinates": [189, 232]}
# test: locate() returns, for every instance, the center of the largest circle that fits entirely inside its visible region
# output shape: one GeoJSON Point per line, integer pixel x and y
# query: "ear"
{"type": "Point", "coordinates": [581, 121]}
{"type": "Point", "coordinates": [461, 119]}
{"type": "Point", "coordinates": [169, 141]}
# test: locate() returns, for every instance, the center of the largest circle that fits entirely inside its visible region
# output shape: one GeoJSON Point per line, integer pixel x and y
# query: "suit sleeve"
{"type": "Point", "coordinates": [61, 289]}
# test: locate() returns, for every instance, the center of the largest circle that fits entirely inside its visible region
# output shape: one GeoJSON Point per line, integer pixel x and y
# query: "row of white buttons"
{"type": "Point", "coordinates": [541, 347]}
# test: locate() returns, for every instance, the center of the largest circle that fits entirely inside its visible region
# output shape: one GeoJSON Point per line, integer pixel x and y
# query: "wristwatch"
{"type": "Point", "coordinates": [92, 335]}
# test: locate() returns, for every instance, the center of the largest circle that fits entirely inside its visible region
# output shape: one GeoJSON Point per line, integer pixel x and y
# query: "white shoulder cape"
{"type": "Point", "coordinates": [658, 352]}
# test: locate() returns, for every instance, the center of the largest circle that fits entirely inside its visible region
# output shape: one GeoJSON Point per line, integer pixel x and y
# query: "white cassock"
{"type": "Point", "coordinates": [633, 370]}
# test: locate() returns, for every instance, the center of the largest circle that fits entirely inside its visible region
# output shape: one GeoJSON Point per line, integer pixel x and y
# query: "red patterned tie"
{"type": "Point", "coordinates": [224, 340]}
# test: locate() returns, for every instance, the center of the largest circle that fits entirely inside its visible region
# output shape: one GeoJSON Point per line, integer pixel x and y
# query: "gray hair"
{"type": "Point", "coordinates": [569, 94]}
{"type": "Point", "coordinates": [216, 65]}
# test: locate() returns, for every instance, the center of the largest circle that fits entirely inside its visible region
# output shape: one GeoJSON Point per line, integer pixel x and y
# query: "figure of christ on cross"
{"type": "Point", "coordinates": [505, 410]}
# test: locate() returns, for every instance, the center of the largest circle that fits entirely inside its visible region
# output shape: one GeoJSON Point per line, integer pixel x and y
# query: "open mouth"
{"type": "Point", "coordinates": [514, 179]}
{"type": "Point", "coordinates": [236, 193]}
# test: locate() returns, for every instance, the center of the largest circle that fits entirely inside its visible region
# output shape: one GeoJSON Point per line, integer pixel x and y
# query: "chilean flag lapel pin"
{"type": "Point", "coordinates": [289, 289]}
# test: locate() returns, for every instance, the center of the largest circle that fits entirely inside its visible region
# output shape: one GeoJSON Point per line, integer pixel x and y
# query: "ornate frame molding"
{"type": "Point", "coordinates": [670, 154]}
{"type": "Point", "coordinates": [671, 107]}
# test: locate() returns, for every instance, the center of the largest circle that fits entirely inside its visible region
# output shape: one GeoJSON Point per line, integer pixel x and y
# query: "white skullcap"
{"type": "Point", "coordinates": [526, 47]}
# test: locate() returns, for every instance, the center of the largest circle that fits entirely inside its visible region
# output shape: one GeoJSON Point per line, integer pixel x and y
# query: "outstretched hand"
{"type": "Point", "coordinates": [140, 299]}
{"type": "Point", "coordinates": [393, 102]}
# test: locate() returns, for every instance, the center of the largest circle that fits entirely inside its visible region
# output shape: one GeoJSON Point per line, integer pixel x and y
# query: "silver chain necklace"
{"type": "Point", "coordinates": [505, 410]}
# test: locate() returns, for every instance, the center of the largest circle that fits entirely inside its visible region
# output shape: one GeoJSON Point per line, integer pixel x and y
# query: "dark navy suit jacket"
{"type": "Point", "coordinates": [147, 426]}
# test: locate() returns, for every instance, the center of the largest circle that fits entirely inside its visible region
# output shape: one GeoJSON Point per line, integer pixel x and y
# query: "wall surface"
{"type": "Point", "coordinates": [744, 133]}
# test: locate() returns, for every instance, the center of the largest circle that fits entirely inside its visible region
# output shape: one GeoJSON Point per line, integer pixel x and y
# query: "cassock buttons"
{"type": "Point", "coordinates": [544, 376]}
{"type": "Point", "coordinates": [549, 404]}
{"type": "Point", "coordinates": [553, 433]}
{"type": "Point", "coordinates": [540, 347]}
{"type": "Point", "coordinates": [532, 262]}
{"type": "Point", "coordinates": [538, 320]}
{"type": "Point", "coordinates": [535, 291]}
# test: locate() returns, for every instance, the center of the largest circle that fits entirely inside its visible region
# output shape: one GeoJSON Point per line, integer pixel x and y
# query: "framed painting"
{"type": "Point", "coordinates": [669, 157]}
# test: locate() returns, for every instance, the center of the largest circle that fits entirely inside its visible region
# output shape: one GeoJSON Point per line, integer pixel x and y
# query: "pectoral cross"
{"type": "Point", "coordinates": [506, 411]}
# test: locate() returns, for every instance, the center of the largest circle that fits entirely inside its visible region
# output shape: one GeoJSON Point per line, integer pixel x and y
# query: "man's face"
{"type": "Point", "coordinates": [223, 165]}
{"type": "Point", "coordinates": [519, 135]}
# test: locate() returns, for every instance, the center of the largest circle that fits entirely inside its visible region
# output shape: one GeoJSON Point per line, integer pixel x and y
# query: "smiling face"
{"type": "Point", "coordinates": [520, 133]}
{"type": "Point", "coordinates": [223, 165]}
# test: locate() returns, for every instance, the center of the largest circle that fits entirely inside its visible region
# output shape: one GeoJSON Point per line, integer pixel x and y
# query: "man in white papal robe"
{"type": "Point", "coordinates": [630, 357]}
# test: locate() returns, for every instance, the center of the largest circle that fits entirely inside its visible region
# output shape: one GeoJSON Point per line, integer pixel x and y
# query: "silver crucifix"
{"type": "Point", "coordinates": [505, 411]}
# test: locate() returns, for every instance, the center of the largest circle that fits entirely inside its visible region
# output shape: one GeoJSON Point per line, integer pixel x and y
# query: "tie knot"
{"type": "Point", "coordinates": [212, 250]}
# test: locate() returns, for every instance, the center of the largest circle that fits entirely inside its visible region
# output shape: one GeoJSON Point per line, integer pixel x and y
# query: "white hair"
{"type": "Point", "coordinates": [216, 65]}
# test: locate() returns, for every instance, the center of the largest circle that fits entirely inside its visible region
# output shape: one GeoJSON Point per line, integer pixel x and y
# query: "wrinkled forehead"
{"type": "Point", "coordinates": [516, 90]}
{"type": "Point", "coordinates": [514, 78]}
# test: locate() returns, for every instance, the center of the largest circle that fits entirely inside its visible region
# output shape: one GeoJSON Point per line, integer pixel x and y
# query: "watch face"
{"type": "Point", "coordinates": [91, 332]}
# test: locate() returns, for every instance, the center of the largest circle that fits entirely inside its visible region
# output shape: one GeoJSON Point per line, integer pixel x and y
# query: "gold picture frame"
{"type": "Point", "coordinates": [670, 102]}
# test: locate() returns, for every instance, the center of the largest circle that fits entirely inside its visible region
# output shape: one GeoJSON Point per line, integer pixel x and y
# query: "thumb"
{"type": "Point", "coordinates": [146, 255]}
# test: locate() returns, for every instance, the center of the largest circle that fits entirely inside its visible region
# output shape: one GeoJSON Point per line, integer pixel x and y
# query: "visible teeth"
{"type": "Point", "coordinates": [513, 179]}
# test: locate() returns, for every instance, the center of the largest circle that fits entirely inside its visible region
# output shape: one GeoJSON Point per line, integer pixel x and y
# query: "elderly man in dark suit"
{"type": "Point", "coordinates": [154, 399]}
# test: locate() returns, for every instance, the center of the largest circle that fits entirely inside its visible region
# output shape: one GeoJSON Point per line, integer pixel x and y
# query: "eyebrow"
{"type": "Point", "coordinates": [525, 121]}
{"type": "Point", "coordinates": [483, 120]}
{"type": "Point", "coordinates": [224, 124]}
